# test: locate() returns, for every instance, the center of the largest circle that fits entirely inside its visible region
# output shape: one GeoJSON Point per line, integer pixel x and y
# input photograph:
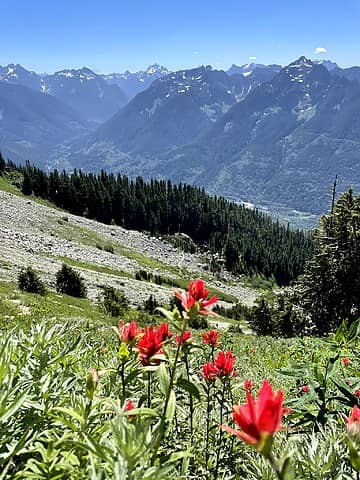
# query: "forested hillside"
{"type": "Point", "coordinates": [246, 241]}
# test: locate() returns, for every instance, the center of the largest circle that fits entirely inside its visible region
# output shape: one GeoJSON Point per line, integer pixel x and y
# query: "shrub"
{"type": "Point", "coordinates": [108, 248]}
{"type": "Point", "coordinates": [29, 281]}
{"type": "Point", "coordinates": [150, 305]}
{"type": "Point", "coordinates": [70, 282]}
{"type": "Point", "coordinates": [114, 301]}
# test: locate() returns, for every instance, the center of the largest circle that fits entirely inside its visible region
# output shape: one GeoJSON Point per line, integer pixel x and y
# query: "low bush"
{"type": "Point", "coordinates": [70, 282]}
{"type": "Point", "coordinates": [29, 281]}
{"type": "Point", "coordinates": [114, 301]}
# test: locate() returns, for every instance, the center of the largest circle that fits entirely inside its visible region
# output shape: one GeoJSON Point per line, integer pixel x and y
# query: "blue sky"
{"type": "Point", "coordinates": [115, 35]}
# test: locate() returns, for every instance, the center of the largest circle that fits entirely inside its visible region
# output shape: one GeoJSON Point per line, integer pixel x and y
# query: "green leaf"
{"type": "Point", "coordinates": [164, 378]}
{"type": "Point", "coordinates": [190, 387]}
{"type": "Point", "coordinates": [354, 455]}
{"type": "Point", "coordinates": [170, 410]}
{"type": "Point", "coordinates": [287, 469]}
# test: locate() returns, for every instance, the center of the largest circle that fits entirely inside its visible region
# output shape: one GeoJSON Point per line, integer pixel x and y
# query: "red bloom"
{"type": "Point", "coordinates": [248, 385]}
{"type": "Point", "coordinates": [224, 364]}
{"type": "Point", "coordinates": [186, 337]}
{"type": "Point", "coordinates": [353, 422]}
{"type": "Point", "coordinates": [259, 418]}
{"type": "Point", "coordinates": [357, 393]}
{"type": "Point", "coordinates": [305, 388]}
{"type": "Point", "coordinates": [129, 406]}
{"type": "Point", "coordinates": [164, 332]}
{"type": "Point", "coordinates": [149, 345]}
{"type": "Point", "coordinates": [345, 361]}
{"type": "Point", "coordinates": [128, 332]}
{"type": "Point", "coordinates": [196, 297]}
{"type": "Point", "coordinates": [209, 371]}
{"type": "Point", "coordinates": [211, 338]}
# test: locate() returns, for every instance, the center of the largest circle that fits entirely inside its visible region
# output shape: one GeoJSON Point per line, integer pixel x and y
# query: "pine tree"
{"type": "Point", "coordinates": [2, 164]}
{"type": "Point", "coordinates": [330, 289]}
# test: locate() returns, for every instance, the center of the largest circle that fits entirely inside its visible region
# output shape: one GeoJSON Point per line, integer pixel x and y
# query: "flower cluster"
{"type": "Point", "coordinates": [128, 332]}
{"type": "Point", "coordinates": [151, 343]}
{"type": "Point", "coordinates": [353, 422]}
{"type": "Point", "coordinates": [195, 299]}
{"type": "Point", "coordinates": [222, 367]}
{"type": "Point", "coordinates": [185, 338]}
{"type": "Point", "coordinates": [211, 338]}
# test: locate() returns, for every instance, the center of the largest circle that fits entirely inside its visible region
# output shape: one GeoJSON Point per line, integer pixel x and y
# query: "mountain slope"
{"type": "Point", "coordinates": [134, 83]}
{"type": "Point", "coordinates": [172, 112]}
{"type": "Point", "coordinates": [284, 143]}
{"type": "Point", "coordinates": [83, 90]}
{"type": "Point", "coordinates": [86, 92]}
{"type": "Point", "coordinates": [32, 123]}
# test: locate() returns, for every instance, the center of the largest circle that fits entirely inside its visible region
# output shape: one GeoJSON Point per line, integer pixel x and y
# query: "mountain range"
{"type": "Point", "coordinates": [269, 135]}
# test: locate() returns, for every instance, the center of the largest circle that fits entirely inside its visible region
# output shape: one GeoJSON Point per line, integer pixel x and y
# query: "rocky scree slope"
{"type": "Point", "coordinates": [35, 235]}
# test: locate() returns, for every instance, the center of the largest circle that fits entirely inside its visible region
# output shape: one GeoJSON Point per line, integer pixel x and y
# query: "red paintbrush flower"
{"type": "Point", "coordinates": [305, 388]}
{"type": "Point", "coordinates": [150, 344]}
{"type": "Point", "coordinates": [128, 332]}
{"type": "Point", "coordinates": [224, 364]}
{"type": "Point", "coordinates": [186, 337]}
{"type": "Point", "coordinates": [195, 298]}
{"type": "Point", "coordinates": [211, 338]}
{"type": "Point", "coordinates": [259, 419]}
{"type": "Point", "coordinates": [248, 385]}
{"type": "Point", "coordinates": [163, 332]}
{"type": "Point", "coordinates": [353, 422]}
{"type": "Point", "coordinates": [129, 406]}
{"type": "Point", "coordinates": [345, 361]}
{"type": "Point", "coordinates": [209, 372]}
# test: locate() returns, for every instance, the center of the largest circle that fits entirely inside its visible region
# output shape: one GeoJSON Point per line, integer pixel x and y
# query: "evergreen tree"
{"type": "Point", "coordinates": [330, 289]}
{"type": "Point", "coordinates": [2, 164]}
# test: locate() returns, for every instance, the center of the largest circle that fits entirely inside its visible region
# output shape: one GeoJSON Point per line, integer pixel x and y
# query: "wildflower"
{"type": "Point", "coordinates": [305, 388]}
{"type": "Point", "coordinates": [128, 332]}
{"type": "Point", "coordinates": [248, 385]}
{"type": "Point", "coordinates": [195, 298]}
{"type": "Point", "coordinates": [353, 422]}
{"type": "Point", "coordinates": [103, 350]}
{"type": "Point", "coordinates": [211, 338]}
{"type": "Point", "coordinates": [184, 338]}
{"type": "Point", "coordinates": [357, 393]}
{"type": "Point", "coordinates": [150, 344]}
{"type": "Point", "coordinates": [209, 372]}
{"type": "Point", "coordinates": [163, 332]}
{"type": "Point", "coordinates": [345, 361]}
{"type": "Point", "coordinates": [259, 419]}
{"type": "Point", "coordinates": [224, 364]}
{"type": "Point", "coordinates": [129, 406]}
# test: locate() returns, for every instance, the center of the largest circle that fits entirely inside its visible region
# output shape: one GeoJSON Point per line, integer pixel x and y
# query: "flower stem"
{"type": "Point", "coordinates": [222, 402]}
{"type": "Point", "coordinates": [208, 411]}
{"type": "Point", "coordinates": [122, 375]}
{"type": "Point", "coordinates": [275, 466]}
{"type": "Point", "coordinates": [167, 399]}
{"type": "Point", "coordinates": [191, 401]}
{"type": "Point", "coordinates": [149, 390]}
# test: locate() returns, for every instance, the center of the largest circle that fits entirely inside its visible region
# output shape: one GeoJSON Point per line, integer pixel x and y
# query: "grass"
{"type": "Point", "coordinates": [8, 183]}
{"type": "Point", "coordinates": [94, 267]}
{"type": "Point", "coordinates": [50, 306]}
